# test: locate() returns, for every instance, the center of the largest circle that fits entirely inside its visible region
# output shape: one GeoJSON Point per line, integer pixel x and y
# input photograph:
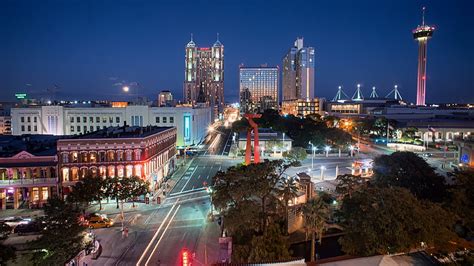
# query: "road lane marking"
{"type": "Point", "coordinates": [190, 177]}
{"type": "Point", "coordinates": [162, 235]}
{"type": "Point", "coordinates": [156, 233]}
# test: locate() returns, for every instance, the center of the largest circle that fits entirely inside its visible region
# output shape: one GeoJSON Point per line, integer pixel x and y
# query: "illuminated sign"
{"type": "Point", "coordinates": [20, 96]}
{"type": "Point", "coordinates": [187, 128]}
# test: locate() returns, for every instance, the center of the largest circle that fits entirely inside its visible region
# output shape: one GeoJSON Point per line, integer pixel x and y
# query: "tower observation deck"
{"type": "Point", "coordinates": [421, 34]}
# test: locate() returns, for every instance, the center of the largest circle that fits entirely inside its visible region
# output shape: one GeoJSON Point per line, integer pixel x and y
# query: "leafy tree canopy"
{"type": "Point", "coordinates": [408, 170]}
{"type": "Point", "coordinates": [390, 220]}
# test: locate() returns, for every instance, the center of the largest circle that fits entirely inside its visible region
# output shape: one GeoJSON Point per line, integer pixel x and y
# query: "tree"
{"type": "Point", "coordinates": [315, 213]}
{"type": "Point", "coordinates": [461, 200]}
{"type": "Point", "coordinates": [347, 184]}
{"type": "Point", "coordinates": [271, 246]}
{"type": "Point", "coordinates": [138, 187]}
{"type": "Point", "coordinates": [408, 170]}
{"type": "Point", "coordinates": [7, 253]}
{"type": "Point", "coordinates": [390, 220]}
{"type": "Point", "coordinates": [296, 154]}
{"type": "Point", "coordinates": [88, 189]}
{"type": "Point", "coordinates": [288, 189]}
{"type": "Point", "coordinates": [63, 236]}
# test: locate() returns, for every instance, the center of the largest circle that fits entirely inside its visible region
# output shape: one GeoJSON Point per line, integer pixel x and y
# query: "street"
{"type": "Point", "coordinates": [158, 233]}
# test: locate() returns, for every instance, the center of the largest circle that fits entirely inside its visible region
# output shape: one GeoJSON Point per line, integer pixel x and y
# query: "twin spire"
{"type": "Point", "coordinates": [192, 44]}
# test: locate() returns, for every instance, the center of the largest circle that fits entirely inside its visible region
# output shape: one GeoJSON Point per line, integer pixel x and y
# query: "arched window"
{"type": "Point", "coordinates": [65, 174]}
{"type": "Point", "coordinates": [129, 170]}
{"type": "Point", "coordinates": [120, 171]}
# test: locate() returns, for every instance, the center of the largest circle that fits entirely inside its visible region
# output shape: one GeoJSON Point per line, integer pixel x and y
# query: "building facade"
{"type": "Point", "coordinates": [204, 76]}
{"type": "Point", "coordinates": [303, 107]}
{"type": "Point", "coordinates": [298, 72]}
{"type": "Point", "coordinates": [258, 89]}
{"type": "Point", "coordinates": [191, 123]}
{"type": "Point", "coordinates": [28, 171]}
{"type": "Point", "coordinates": [165, 98]}
{"type": "Point", "coordinates": [146, 152]}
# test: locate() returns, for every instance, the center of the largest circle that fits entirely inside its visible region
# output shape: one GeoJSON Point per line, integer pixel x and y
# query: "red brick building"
{"type": "Point", "coordinates": [147, 152]}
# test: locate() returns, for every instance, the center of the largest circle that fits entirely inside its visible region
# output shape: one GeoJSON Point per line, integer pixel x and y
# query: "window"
{"type": "Point", "coordinates": [35, 128]}
{"type": "Point", "coordinates": [91, 119]}
{"type": "Point", "coordinates": [97, 128]}
{"type": "Point", "coordinates": [72, 119]}
{"type": "Point", "coordinates": [35, 119]}
{"type": "Point", "coordinates": [29, 128]}
{"type": "Point", "coordinates": [84, 119]}
{"type": "Point", "coordinates": [65, 157]}
{"type": "Point", "coordinates": [85, 129]}
{"type": "Point", "coordinates": [138, 155]}
{"type": "Point", "coordinates": [97, 119]}
{"type": "Point", "coordinates": [111, 119]}
{"type": "Point", "coordinates": [91, 128]}
{"type": "Point", "coordinates": [164, 119]}
{"type": "Point", "coordinates": [74, 157]}
{"type": "Point", "coordinates": [45, 193]}
{"type": "Point", "coordinates": [104, 119]}
{"type": "Point", "coordinates": [72, 128]}
{"type": "Point", "coordinates": [22, 128]}
{"type": "Point", "coordinates": [22, 119]}
{"type": "Point", "coordinates": [157, 119]}
{"type": "Point", "coordinates": [117, 119]}
{"type": "Point", "coordinates": [78, 119]}
{"type": "Point", "coordinates": [28, 119]}
{"type": "Point", "coordinates": [35, 194]}
{"type": "Point", "coordinates": [78, 128]}
{"type": "Point", "coordinates": [171, 119]}
{"type": "Point", "coordinates": [129, 155]}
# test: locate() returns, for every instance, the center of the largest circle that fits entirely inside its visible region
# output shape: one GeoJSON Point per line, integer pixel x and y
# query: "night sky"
{"type": "Point", "coordinates": [87, 48]}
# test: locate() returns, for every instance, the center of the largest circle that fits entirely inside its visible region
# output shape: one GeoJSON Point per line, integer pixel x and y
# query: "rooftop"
{"type": "Point", "coordinates": [122, 132]}
{"type": "Point", "coordinates": [38, 145]}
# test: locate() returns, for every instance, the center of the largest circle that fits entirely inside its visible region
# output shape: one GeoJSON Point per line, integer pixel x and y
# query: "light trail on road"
{"type": "Point", "coordinates": [156, 234]}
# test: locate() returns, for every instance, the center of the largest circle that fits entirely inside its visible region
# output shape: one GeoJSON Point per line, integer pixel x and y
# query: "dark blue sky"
{"type": "Point", "coordinates": [85, 47]}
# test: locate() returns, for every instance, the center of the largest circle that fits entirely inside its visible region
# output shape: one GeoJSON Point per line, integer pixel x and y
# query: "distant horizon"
{"type": "Point", "coordinates": [84, 50]}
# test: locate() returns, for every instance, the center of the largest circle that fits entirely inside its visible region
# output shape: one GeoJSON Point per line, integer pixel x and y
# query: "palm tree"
{"type": "Point", "coordinates": [315, 213]}
{"type": "Point", "coordinates": [288, 189]}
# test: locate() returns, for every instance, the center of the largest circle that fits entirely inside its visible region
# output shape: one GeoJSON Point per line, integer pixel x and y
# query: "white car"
{"type": "Point", "coordinates": [14, 221]}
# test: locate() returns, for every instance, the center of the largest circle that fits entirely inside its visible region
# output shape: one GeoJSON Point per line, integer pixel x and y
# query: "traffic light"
{"type": "Point", "coordinates": [186, 259]}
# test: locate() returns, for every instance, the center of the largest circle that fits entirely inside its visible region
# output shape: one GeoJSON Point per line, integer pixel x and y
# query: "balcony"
{"type": "Point", "coordinates": [28, 182]}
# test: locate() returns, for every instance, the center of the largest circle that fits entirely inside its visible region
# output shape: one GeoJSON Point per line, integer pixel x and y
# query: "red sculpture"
{"type": "Point", "coordinates": [248, 148]}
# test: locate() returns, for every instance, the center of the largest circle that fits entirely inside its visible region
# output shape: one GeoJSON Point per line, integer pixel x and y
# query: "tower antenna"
{"type": "Point", "coordinates": [423, 16]}
{"type": "Point", "coordinates": [218, 36]}
{"type": "Point", "coordinates": [191, 36]}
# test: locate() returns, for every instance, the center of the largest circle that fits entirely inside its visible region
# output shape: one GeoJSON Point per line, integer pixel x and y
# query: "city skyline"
{"type": "Point", "coordinates": [83, 51]}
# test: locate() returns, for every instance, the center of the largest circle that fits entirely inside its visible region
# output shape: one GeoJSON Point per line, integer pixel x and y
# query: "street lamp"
{"type": "Point", "coordinates": [125, 88]}
{"type": "Point", "coordinates": [327, 149]}
{"type": "Point", "coordinates": [322, 172]}
{"type": "Point", "coordinates": [313, 148]}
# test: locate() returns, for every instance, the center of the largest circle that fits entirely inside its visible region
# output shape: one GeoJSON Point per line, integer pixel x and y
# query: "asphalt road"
{"type": "Point", "coordinates": [159, 233]}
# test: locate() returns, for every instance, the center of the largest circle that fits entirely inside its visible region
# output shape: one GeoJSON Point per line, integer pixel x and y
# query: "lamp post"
{"type": "Point", "coordinates": [327, 149]}
{"type": "Point", "coordinates": [351, 148]}
{"type": "Point", "coordinates": [313, 148]}
{"type": "Point", "coordinates": [322, 172]}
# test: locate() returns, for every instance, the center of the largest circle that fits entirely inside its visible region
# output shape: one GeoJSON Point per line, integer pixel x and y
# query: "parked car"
{"type": "Point", "coordinates": [28, 228]}
{"type": "Point", "coordinates": [13, 221]}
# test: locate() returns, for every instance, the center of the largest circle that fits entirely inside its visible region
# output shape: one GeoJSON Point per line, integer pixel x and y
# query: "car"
{"type": "Point", "coordinates": [13, 221]}
{"type": "Point", "coordinates": [28, 228]}
{"type": "Point", "coordinates": [100, 223]}
{"type": "Point", "coordinates": [427, 155]}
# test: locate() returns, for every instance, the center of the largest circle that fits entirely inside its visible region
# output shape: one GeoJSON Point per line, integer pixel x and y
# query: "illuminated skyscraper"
{"type": "Point", "coordinates": [258, 89]}
{"type": "Point", "coordinates": [421, 34]}
{"type": "Point", "coordinates": [204, 75]}
{"type": "Point", "coordinates": [298, 72]}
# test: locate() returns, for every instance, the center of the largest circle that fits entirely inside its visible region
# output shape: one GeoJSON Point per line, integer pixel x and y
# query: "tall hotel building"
{"type": "Point", "coordinates": [204, 76]}
{"type": "Point", "coordinates": [298, 72]}
{"type": "Point", "coordinates": [258, 89]}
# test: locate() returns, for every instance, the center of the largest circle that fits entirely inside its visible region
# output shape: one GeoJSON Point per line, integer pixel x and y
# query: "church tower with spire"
{"type": "Point", "coordinates": [204, 75]}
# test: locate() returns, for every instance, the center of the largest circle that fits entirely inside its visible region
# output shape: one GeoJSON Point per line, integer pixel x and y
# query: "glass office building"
{"type": "Point", "coordinates": [258, 89]}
